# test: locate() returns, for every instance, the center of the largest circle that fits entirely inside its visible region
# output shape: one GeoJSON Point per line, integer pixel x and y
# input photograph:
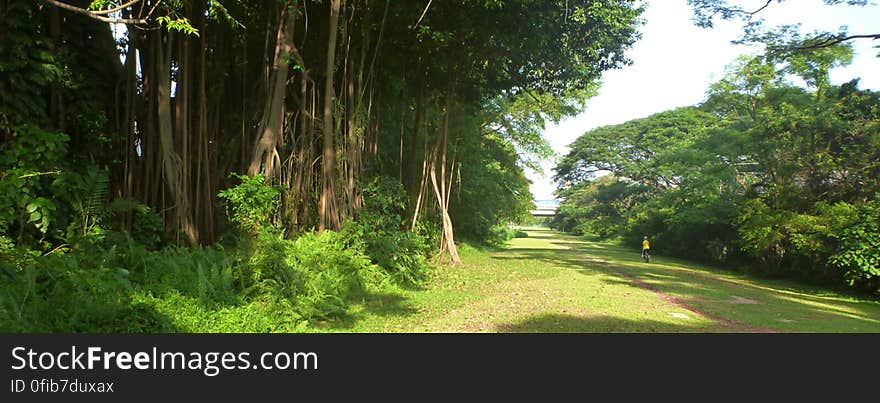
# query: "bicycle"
{"type": "Point", "coordinates": [646, 256]}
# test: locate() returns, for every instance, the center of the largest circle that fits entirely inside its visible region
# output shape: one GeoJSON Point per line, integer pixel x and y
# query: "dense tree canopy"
{"type": "Point", "coordinates": [189, 91]}
{"type": "Point", "coordinates": [763, 171]}
{"type": "Point", "coordinates": [260, 123]}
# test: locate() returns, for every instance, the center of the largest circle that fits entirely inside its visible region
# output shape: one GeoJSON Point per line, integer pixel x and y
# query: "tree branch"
{"type": "Point", "coordinates": [97, 14]}
{"type": "Point", "coordinates": [767, 4]}
{"type": "Point", "coordinates": [115, 9]}
{"type": "Point", "coordinates": [824, 43]}
{"type": "Point", "coordinates": [730, 12]}
{"type": "Point", "coordinates": [423, 14]}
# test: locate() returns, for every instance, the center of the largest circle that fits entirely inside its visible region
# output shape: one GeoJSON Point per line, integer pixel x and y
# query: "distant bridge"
{"type": "Point", "coordinates": [545, 208]}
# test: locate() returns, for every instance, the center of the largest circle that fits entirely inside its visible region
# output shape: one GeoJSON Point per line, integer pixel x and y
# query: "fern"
{"type": "Point", "coordinates": [98, 187]}
{"type": "Point", "coordinates": [92, 206]}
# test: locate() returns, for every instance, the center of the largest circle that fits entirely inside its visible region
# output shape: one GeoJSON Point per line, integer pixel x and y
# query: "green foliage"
{"type": "Point", "coordinates": [27, 196]}
{"type": "Point", "coordinates": [764, 173]}
{"type": "Point", "coordinates": [114, 284]}
{"type": "Point", "coordinates": [85, 291]}
{"type": "Point", "coordinates": [598, 207]}
{"type": "Point", "coordinates": [495, 191]}
{"type": "Point", "coordinates": [333, 270]}
{"type": "Point", "coordinates": [180, 24]}
{"type": "Point", "coordinates": [784, 40]}
{"type": "Point", "coordinates": [501, 234]}
{"type": "Point", "coordinates": [87, 196]}
{"type": "Point", "coordinates": [252, 204]}
{"type": "Point", "coordinates": [46, 197]}
{"type": "Point", "coordinates": [147, 227]}
{"type": "Point", "coordinates": [858, 253]}
{"type": "Point", "coordinates": [311, 277]}
{"type": "Point", "coordinates": [101, 4]}
{"type": "Point", "coordinates": [39, 213]}
{"type": "Point", "coordinates": [26, 65]}
{"type": "Point", "coordinates": [520, 120]}
{"type": "Point", "coordinates": [382, 228]}
{"type": "Point", "coordinates": [642, 150]}
{"type": "Point", "coordinates": [218, 11]}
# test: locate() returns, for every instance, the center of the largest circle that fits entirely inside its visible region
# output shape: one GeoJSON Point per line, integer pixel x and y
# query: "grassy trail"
{"type": "Point", "coordinates": [550, 282]}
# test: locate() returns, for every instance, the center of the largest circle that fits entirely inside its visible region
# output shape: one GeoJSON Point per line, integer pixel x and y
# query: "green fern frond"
{"type": "Point", "coordinates": [98, 185]}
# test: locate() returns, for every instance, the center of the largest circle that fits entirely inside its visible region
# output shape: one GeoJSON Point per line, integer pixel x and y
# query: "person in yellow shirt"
{"type": "Point", "coordinates": [646, 246]}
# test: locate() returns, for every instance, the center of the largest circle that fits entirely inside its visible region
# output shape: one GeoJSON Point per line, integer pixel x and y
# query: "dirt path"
{"type": "Point", "coordinates": [581, 292]}
{"type": "Point", "coordinates": [732, 325]}
{"type": "Point", "coordinates": [553, 283]}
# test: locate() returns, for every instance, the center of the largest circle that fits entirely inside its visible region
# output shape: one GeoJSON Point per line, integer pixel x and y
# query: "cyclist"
{"type": "Point", "coordinates": [646, 246]}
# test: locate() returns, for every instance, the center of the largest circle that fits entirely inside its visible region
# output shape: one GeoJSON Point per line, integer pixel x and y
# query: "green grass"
{"type": "Point", "coordinates": [550, 282]}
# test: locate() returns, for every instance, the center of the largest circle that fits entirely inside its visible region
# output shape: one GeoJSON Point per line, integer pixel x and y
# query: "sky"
{"type": "Point", "coordinates": [675, 62]}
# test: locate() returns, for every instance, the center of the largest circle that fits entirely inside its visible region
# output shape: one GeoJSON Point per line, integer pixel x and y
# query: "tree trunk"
{"type": "Point", "coordinates": [181, 128]}
{"type": "Point", "coordinates": [412, 178]}
{"type": "Point", "coordinates": [271, 123]}
{"type": "Point", "coordinates": [204, 191]}
{"type": "Point", "coordinates": [442, 189]}
{"type": "Point", "coordinates": [328, 217]}
{"type": "Point", "coordinates": [171, 161]}
{"type": "Point", "coordinates": [130, 130]}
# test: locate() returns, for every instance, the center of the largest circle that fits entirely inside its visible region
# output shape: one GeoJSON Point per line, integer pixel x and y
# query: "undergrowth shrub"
{"type": "Point", "coordinates": [382, 228]}
{"type": "Point", "coordinates": [84, 290]}
{"type": "Point", "coordinates": [500, 234]}
{"type": "Point", "coordinates": [115, 284]}
{"type": "Point", "coordinates": [252, 204]}
{"type": "Point", "coordinates": [147, 228]}
{"type": "Point", "coordinates": [332, 270]}
{"type": "Point", "coordinates": [858, 247]}
{"type": "Point", "coordinates": [112, 281]}
{"type": "Point", "coordinates": [316, 274]}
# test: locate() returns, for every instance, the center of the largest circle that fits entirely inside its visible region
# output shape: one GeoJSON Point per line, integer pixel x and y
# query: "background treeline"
{"type": "Point", "coordinates": [249, 165]}
{"type": "Point", "coordinates": [777, 170]}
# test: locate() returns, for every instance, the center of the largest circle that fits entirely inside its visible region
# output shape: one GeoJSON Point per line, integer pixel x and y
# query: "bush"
{"type": "Point", "coordinates": [147, 227]}
{"type": "Point", "coordinates": [400, 254]}
{"type": "Point", "coordinates": [110, 283]}
{"type": "Point", "coordinates": [331, 271]}
{"type": "Point", "coordinates": [382, 230]}
{"type": "Point", "coordinates": [252, 203]}
{"type": "Point", "coordinates": [499, 235]}
{"type": "Point", "coordinates": [86, 290]}
{"type": "Point", "coordinates": [858, 252]}
{"type": "Point", "coordinates": [316, 274]}
{"type": "Point", "coordinates": [28, 165]}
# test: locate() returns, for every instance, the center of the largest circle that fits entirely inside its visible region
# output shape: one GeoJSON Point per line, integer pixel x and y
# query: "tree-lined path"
{"type": "Point", "coordinates": [219, 166]}
{"type": "Point", "coordinates": [549, 282]}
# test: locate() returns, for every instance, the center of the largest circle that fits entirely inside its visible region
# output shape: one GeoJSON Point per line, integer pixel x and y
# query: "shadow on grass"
{"type": "Point", "coordinates": [381, 304]}
{"type": "Point", "coordinates": [555, 323]}
{"type": "Point", "coordinates": [558, 257]}
{"type": "Point", "coordinates": [735, 297]}
{"type": "Point", "coordinates": [620, 253]}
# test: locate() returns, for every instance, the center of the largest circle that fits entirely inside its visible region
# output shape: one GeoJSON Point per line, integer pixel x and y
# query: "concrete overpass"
{"type": "Point", "coordinates": [545, 208]}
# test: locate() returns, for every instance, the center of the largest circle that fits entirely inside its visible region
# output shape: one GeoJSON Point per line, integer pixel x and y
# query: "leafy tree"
{"type": "Point", "coordinates": [129, 121]}
{"type": "Point", "coordinates": [765, 172]}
